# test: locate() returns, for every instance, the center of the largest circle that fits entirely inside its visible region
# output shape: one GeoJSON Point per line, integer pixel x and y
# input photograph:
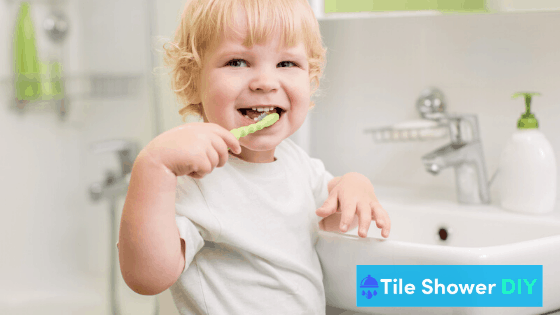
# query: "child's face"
{"type": "Point", "coordinates": [234, 77]}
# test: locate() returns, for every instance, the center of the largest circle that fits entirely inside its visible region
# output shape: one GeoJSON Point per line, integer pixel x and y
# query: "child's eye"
{"type": "Point", "coordinates": [235, 62]}
{"type": "Point", "coordinates": [284, 62]}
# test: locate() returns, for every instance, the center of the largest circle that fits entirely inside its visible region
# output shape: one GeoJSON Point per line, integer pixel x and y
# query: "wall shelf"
{"type": "Point", "coordinates": [392, 134]}
{"type": "Point", "coordinates": [77, 87]}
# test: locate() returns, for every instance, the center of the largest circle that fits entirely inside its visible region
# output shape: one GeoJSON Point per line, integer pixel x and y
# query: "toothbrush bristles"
{"type": "Point", "coordinates": [261, 116]}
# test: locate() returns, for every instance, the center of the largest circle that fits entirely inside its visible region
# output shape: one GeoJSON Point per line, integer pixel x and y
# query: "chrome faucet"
{"type": "Point", "coordinates": [464, 153]}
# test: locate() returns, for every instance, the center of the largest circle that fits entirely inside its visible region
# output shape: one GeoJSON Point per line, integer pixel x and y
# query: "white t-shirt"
{"type": "Point", "coordinates": [250, 231]}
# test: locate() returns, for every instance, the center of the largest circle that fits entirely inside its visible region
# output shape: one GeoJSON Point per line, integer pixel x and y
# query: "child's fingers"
{"type": "Point", "coordinates": [231, 141]}
{"type": "Point", "coordinates": [381, 218]}
{"type": "Point", "coordinates": [329, 206]}
{"type": "Point", "coordinates": [364, 214]}
{"type": "Point", "coordinates": [348, 209]}
{"type": "Point", "coordinates": [220, 155]}
{"type": "Point", "coordinates": [200, 166]}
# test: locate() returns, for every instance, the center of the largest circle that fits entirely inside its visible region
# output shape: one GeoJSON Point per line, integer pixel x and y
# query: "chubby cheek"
{"type": "Point", "coordinates": [298, 112]}
{"type": "Point", "coordinates": [296, 117]}
{"type": "Point", "coordinates": [220, 98]}
{"type": "Point", "coordinates": [300, 99]}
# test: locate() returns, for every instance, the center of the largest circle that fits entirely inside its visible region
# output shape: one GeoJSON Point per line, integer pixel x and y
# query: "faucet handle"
{"type": "Point", "coordinates": [127, 151]}
{"type": "Point", "coordinates": [463, 128]}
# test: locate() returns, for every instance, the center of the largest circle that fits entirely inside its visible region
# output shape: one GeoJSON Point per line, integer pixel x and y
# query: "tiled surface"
{"type": "Point", "coordinates": [47, 165]}
{"type": "Point", "coordinates": [377, 68]}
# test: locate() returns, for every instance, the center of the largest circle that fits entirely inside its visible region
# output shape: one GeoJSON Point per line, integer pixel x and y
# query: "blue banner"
{"type": "Point", "coordinates": [449, 285]}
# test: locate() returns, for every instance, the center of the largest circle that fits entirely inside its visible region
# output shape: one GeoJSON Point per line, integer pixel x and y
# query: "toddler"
{"type": "Point", "coordinates": [234, 231]}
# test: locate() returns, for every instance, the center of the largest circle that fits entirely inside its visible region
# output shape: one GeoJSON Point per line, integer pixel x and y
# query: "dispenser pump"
{"type": "Point", "coordinates": [527, 120]}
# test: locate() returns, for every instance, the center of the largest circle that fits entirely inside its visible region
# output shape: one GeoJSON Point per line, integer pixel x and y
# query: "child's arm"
{"type": "Point", "coordinates": [151, 253]}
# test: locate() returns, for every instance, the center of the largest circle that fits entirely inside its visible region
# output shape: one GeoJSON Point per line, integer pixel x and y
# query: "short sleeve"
{"type": "Point", "coordinates": [193, 217]}
{"type": "Point", "coordinates": [320, 179]}
{"type": "Point", "coordinates": [193, 240]}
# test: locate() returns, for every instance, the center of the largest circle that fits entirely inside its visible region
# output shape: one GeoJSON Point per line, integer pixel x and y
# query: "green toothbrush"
{"type": "Point", "coordinates": [264, 120]}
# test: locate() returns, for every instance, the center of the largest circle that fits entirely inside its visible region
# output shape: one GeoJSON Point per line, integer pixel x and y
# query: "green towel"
{"type": "Point", "coordinates": [27, 68]}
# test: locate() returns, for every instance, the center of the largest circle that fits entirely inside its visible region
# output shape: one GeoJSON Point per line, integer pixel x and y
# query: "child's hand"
{"type": "Point", "coordinates": [193, 149]}
{"type": "Point", "coordinates": [355, 195]}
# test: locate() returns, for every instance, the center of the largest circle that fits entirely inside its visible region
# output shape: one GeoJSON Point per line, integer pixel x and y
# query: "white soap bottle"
{"type": "Point", "coordinates": [528, 167]}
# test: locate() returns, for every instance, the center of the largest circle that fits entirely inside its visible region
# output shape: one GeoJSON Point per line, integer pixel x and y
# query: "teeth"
{"type": "Point", "coordinates": [255, 119]}
{"type": "Point", "coordinates": [262, 109]}
{"type": "Point", "coordinates": [267, 110]}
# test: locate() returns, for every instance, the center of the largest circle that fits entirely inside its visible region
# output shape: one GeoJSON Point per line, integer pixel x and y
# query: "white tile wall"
{"type": "Point", "coordinates": [377, 68]}
{"type": "Point", "coordinates": [50, 229]}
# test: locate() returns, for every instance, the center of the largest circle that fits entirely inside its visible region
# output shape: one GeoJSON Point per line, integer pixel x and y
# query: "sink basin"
{"type": "Point", "coordinates": [431, 228]}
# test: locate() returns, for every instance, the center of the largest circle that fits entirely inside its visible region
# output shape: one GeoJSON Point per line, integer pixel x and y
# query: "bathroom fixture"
{"type": "Point", "coordinates": [56, 26]}
{"type": "Point", "coordinates": [464, 154]}
{"type": "Point", "coordinates": [126, 150]}
{"type": "Point", "coordinates": [431, 106]}
{"type": "Point", "coordinates": [443, 233]}
{"type": "Point", "coordinates": [477, 235]}
{"type": "Point", "coordinates": [75, 86]}
{"type": "Point", "coordinates": [79, 87]}
{"type": "Point", "coordinates": [113, 187]}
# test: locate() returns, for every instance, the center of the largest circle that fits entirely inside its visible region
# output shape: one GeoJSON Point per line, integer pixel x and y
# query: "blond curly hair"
{"type": "Point", "coordinates": [203, 21]}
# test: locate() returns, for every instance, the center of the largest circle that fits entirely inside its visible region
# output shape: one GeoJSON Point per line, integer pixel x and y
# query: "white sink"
{"type": "Point", "coordinates": [477, 235]}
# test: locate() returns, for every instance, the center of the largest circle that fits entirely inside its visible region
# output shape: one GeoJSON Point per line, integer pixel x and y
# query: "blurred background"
{"type": "Point", "coordinates": [67, 142]}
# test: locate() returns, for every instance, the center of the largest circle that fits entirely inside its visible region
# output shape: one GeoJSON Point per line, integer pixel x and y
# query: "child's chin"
{"type": "Point", "coordinates": [261, 143]}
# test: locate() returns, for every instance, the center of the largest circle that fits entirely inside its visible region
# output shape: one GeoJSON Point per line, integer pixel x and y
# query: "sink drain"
{"type": "Point", "coordinates": [443, 234]}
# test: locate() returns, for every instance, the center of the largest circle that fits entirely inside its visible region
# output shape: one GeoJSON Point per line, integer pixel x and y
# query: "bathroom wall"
{"type": "Point", "coordinates": [377, 68]}
{"type": "Point", "coordinates": [55, 240]}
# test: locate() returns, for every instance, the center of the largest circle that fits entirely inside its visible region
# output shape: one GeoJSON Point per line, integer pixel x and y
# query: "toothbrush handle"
{"type": "Point", "coordinates": [265, 121]}
{"type": "Point", "coordinates": [245, 130]}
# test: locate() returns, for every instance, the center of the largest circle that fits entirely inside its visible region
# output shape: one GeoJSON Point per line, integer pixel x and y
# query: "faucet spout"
{"type": "Point", "coordinates": [444, 157]}
{"type": "Point", "coordinates": [467, 160]}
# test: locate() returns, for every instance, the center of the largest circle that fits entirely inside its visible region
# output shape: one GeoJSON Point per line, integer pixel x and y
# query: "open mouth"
{"type": "Point", "coordinates": [253, 115]}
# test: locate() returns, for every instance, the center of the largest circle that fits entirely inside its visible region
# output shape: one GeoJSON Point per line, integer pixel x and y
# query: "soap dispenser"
{"type": "Point", "coordinates": [527, 167]}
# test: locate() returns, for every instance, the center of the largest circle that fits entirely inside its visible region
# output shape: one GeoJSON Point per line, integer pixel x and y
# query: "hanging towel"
{"type": "Point", "coordinates": [27, 67]}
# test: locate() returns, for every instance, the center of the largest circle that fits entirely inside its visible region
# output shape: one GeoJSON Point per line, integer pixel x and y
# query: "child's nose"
{"type": "Point", "coordinates": [264, 80]}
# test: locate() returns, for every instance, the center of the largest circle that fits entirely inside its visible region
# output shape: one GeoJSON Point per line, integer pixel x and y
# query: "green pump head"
{"type": "Point", "coordinates": [527, 120]}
